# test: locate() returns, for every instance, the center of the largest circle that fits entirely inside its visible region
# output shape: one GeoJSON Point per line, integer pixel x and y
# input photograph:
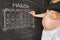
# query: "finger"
{"type": "Point", "coordinates": [32, 12]}
{"type": "Point", "coordinates": [29, 12]}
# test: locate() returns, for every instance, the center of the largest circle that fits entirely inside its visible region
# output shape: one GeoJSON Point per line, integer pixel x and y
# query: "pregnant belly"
{"type": "Point", "coordinates": [49, 23]}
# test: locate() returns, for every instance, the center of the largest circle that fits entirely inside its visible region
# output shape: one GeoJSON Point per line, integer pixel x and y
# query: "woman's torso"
{"type": "Point", "coordinates": [47, 21]}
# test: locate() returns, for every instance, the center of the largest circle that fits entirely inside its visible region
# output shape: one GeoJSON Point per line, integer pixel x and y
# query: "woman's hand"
{"type": "Point", "coordinates": [54, 14]}
{"type": "Point", "coordinates": [58, 15]}
{"type": "Point", "coordinates": [37, 15]}
{"type": "Point", "coordinates": [32, 13]}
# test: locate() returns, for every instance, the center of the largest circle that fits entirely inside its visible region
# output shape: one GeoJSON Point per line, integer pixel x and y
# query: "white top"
{"type": "Point", "coordinates": [51, 34]}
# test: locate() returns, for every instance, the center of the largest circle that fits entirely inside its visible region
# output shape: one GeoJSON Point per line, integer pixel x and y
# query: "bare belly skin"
{"type": "Point", "coordinates": [50, 23]}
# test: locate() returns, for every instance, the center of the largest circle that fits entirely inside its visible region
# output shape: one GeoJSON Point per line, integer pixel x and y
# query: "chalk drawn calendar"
{"type": "Point", "coordinates": [17, 19]}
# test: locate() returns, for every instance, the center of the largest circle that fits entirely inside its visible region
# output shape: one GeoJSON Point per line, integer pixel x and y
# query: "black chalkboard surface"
{"type": "Point", "coordinates": [15, 21]}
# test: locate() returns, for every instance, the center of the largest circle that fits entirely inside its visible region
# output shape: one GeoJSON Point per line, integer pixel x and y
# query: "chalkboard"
{"type": "Point", "coordinates": [15, 21]}
{"type": "Point", "coordinates": [17, 18]}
